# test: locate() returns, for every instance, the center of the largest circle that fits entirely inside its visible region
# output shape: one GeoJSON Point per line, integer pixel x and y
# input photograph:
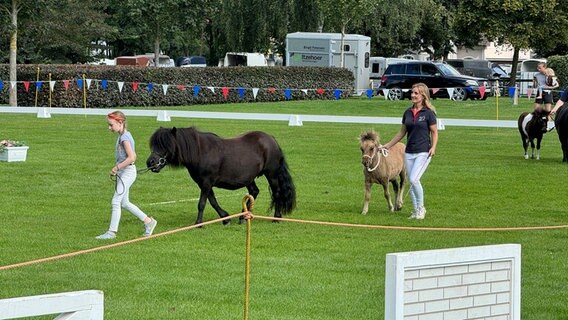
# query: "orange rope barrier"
{"type": "Point", "coordinates": [371, 226]}
{"type": "Point", "coordinates": [118, 244]}
{"type": "Point", "coordinates": [248, 203]}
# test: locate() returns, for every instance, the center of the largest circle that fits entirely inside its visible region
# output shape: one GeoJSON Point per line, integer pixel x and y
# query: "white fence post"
{"type": "Point", "coordinates": [77, 305]}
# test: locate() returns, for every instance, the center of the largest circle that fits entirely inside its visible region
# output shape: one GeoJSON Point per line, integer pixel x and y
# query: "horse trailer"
{"type": "Point", "coordinates": [350, 51]}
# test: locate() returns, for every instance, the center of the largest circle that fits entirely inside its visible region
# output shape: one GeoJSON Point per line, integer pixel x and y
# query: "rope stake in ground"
{"type": "Point", "coordinates": [248, 204]}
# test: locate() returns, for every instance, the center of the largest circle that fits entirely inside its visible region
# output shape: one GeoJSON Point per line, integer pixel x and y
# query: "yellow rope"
{"type": "Point", "coordinates": [248, 203]}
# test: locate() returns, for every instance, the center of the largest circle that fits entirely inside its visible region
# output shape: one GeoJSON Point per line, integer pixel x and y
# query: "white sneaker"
{"type": "Point", "coordinates": [107, 235]}
{"type": "Point", "coordinates": [421, 213]}
{"type": "Point", "coordinates": [149, 227]}
{"type": "Point", "coordinates": [413, 214]}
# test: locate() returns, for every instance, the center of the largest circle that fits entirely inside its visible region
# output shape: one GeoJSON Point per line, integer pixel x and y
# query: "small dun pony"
{"type": "Point", "coordinates": [225, 163]}
{"type": "Point", "coordinates": [382, 166]}
{"type": "Point", "coordinates": [532, 126]}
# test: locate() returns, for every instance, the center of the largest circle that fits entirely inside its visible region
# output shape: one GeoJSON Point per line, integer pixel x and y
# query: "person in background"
{"type": "Point", "coordinates": [539, 81]}
{"type": "Point", "coordinates": [125, 172]}
{"type": "Point", "coordinates": [419, 124]}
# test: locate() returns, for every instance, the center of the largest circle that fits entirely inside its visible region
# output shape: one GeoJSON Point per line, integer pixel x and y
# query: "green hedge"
{"type": "Point", "coordinates": [180, 81]}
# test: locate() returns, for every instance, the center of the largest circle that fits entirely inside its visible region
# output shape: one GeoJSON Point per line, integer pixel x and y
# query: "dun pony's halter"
{"type": "Point", "coordinates": [384, 151]}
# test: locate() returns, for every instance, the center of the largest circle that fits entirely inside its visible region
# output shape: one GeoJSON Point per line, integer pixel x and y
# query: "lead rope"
{"type": "Point", "coordinates": [384, 151]}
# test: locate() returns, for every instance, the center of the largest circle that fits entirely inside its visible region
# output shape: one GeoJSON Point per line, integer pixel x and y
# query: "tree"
{"type": "Point", "coordinates": [521, 23]}
{"type": "Point", "coordinates": [13, 9]}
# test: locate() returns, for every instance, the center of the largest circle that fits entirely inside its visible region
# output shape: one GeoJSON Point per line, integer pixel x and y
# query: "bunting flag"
{"type": "Point", "coordinates": [66, 84]}
{"type": "Point", "coordinates": [320, 91]}
{"type": "Point", "coordinates": [38, 85]}
{"type": "Point", "coordinates": [225, 91]}
{"type": "Point", "coordinates": [104, 84]}
{"type": "Point", "coordinates": [27, 85]}
{"type": "Point", "coordinates": [241, 93]}
{"type": "Point", "coordinates": [134, 86]}
{"type": "Point", "coordinates": [13, 84]}
{"type": "Point", "coordinates": [196, 89]}
{"type": "Point", "coordinates": [271, 90]}
{"type": "Point", "coordinates": [51, 85]}
{"type": "Point", "coordinates": [120, 86]}
{"type": "Point", "coordinates": [254, 92]}
{"type": "Point", "coordinates": [435, 90]}
{"type": "Point", "coordinates": [212, 89]}
{"type": "Point", "coordinates": [150, 87]}
{"type": "Point", "coordinates": [337, 93]}
{"type": "Point", "coordinates": [386, 93]}
{"type": "Point", "coordinates": [530, 92]}
{"type": "Point", "coordinates": [305, 91]}
{"type": "Point", "coordinates": [80, 84]}
{"type": "Point", "coordinates": [1, 85]}
{"type": "Point", "coordinates": [288, 94]}
{"type": "Point", "coordinates": [89, 83]}
{"type": "Point", "coordinates": [165, 88]}
{"type": "Point", "coordinates": [512, 92]}
{"type": "Point", "coordinates": [369, 93]}
{"type": "Point", "coordinates": [181, 87]}
{"type": "Point", "coordinates": [451, 93]}
{"type": "Point", "coordinates": [481, 92]}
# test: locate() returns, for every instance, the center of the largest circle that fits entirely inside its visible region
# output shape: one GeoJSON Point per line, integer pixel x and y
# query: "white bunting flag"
{"type": "Point", "coordinates": [212, 89]}
{"type": "Point", "coordinates": [165, 88]}
{"type": "Point", "coordinates": [305, 91]}
{"type": "Point", "coordinates": [120, 85]}
{"type": "Point", "coordinates": [12, 84]}
{"type": "Point", "coordinates": [451, 93]}
{"type": "Point", "coordinates": [89, 83]}
{"type": "Point", "coordinates": [386, 93]}
{"type": "Point", "coordinates": [254, 92]}
{"type": "Point", "coordinates": [51, 85]}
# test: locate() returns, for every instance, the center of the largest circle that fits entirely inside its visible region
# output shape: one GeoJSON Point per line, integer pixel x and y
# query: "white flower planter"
{"type": "Point", "coordinates": [12, 154]}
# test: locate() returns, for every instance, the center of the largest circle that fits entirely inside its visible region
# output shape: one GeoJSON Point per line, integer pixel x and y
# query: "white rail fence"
{"type": "Point", "coordinates": [293, 119]}
{"type": "Point", "coordinates": [77, 305]}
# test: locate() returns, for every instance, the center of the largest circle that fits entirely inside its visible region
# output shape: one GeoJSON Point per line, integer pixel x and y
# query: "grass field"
{"type": "Point", "coordinates": [59, 200]}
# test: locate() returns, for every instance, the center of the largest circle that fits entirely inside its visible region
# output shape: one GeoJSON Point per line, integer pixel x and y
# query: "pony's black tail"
{"type": "Point", "coordinates": [283, 191]}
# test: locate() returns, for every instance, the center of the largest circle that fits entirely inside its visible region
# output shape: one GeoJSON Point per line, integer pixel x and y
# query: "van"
{"type": "Point", "coordinates": [378, 65]}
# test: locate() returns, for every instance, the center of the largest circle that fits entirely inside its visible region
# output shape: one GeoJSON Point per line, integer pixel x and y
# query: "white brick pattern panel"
{"type": "Point", "coordinates": [468, 291]}
{"type": "Point", "coordinates": [472, 289]}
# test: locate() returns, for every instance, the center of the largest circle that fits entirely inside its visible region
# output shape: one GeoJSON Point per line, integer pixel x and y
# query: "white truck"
{"type": "Point", "coordinates": [350, 51]}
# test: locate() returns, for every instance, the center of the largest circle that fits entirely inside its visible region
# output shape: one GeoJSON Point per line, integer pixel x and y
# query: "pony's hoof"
{"type": "Point", "coordinates": [226, 222]}
{"type": "Point", "coordinates": [364, 213]}
{"type": "Point", "coordinates": [275, 221]}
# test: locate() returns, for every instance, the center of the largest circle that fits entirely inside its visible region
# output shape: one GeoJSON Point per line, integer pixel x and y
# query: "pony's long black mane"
{"type": "Point", "coordinates": [182, 146]}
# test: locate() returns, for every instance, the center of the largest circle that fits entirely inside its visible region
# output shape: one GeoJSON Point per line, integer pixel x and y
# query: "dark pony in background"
{"type": "Point", "coordinates": [225, 163]}
{"type": "Point", "coordinates": [532, 126]}
{"type": "Point", "coordinates": [561, 125]}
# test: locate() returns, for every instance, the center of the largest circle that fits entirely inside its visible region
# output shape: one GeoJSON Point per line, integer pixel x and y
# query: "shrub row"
{"type": "Point", "coordinates": [143, 86]}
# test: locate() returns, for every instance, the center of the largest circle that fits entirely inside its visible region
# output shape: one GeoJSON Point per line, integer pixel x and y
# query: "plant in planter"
{"type": "Point", "coordinates": [13, 150]}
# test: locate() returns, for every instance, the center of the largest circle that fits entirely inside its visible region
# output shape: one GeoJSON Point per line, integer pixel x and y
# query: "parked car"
{"type": "Point", "coordinates": [193, 61]}
{"type": "Point", "coordinates": [400, 77]}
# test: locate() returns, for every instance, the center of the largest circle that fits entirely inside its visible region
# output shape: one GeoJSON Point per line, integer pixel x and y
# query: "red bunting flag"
{"type": "Point", "coordinates": [134, 86]}
{"type": "Point", "coordinates": [66, 84]}
{"type": "Point", "coordinates": [181, 87]}
{"type": "Point", "coordinates": [271, 90]}
{"type": "Point", "coordinates": [27, 85]}
{"type": "Point", "coordinates": [225, 92]}
{"type": "Point", "coordinates": [482, 91]}
{"type": "Point", "coordinates": [435, 90]}
{"type": "Point", "coordinates": [320, 91]}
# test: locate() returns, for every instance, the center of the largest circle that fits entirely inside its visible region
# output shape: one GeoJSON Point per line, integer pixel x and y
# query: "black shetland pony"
{"type": "Point", "coordinates": [561, 125]}
{"type": "Point", "coordinates": [225, 163]}
{"type": "Point", "coordinates": [532, 126]}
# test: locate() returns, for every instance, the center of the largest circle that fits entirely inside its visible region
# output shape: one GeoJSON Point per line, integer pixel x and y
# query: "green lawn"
{"type": "Point", "coordinates": [59, 200]}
